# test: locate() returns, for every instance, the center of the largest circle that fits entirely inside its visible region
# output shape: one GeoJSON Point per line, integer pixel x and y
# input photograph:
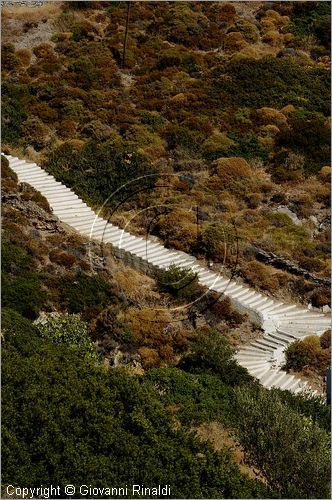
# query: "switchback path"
{"type": "Point", "coordinates": [282, 323]}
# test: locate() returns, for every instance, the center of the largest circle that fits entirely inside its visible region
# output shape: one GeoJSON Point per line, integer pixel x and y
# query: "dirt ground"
{"type": "Point", "coordinates": [26, 26]}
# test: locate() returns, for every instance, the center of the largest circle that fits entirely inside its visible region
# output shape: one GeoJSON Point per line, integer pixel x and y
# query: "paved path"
{"type": "Point", "coordinates": [282, 323]}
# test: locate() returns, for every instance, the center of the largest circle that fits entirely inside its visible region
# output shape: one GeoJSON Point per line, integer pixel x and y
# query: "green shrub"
{"type": "Point", "coordinates": [211, 353]}
{"type": "Point", "coordinates": [308, 135]}
{"type": "Point", "coordinates": [286, 81]}
{"type": "Point", "coordinates": [102, 172]}
{"type": "Point", "coordinates": [21, 287]}
{"type": "Point", "coordinates": [67, 329]}
{"type": "Point", "coordinates": [85, 420]}
{"type": "Point", "coordinates": [6, 171]}
{"type": "Point", "coordinates": [179, 282]}
{"type": "Point", "coordinates": [86, 294]}
{"type": "Point", "coordinates": [282, 444]}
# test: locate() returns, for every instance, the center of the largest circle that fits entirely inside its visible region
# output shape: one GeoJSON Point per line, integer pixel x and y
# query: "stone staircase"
{"type": "Point", "coordinates": [281, 323]}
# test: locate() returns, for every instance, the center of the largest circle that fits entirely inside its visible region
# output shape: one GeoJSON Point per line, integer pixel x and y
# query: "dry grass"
{"type": "Point", "coordinates": [137, 287]}
{"type": "Point", "coordinates": [17, 18]}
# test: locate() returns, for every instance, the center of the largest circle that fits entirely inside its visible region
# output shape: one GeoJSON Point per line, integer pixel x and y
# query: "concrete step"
{"type": "Point", "coordinates": [249, 356]}
{"type": "Point", "coordinates": [255, 303]}
{"type": "Point", "coordinates": [281, 381]}
{"type": "Point", "coordinates": [259, 372]}
{"type": "Point", "coordinates": [282, 338]}
{"type": "Point", "coordinates": [255, 363]}
{"type": "Point", "coordinates": [285, 384]}
{"type": "Point", "coordinates": [244, 293]}
{"type": "Point", "coordinates": [65, 209]}
{"type": "Point", "coordinates": [263, 347]}
{"type": "Point", "coordinates": [269, 377]}
{"type": "Point", "coordinates": [251, 348]}
{"type": "Point", "coordinates": [267, 343]}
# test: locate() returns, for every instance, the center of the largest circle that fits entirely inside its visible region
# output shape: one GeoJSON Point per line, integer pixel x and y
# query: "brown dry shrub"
{"type": "Point", "coordinates": [225, 12]}
{"type": "Point", "coordinates": [234, 41]}
{"type": "Point", "coordinates": [45, 112]}
{"type": "Point", "coordinates": [178, 229]}
{"type": "Point", "coordinates": [289, 108]}
{"type": "Point", "coordinates": [260, 275]}
{"type": "Point", "coordinates": [153, 329]}
{"type": "Point", "coordinates": [273, 38]}
{"type": "Point", "coordinates": [325, 173]}
{"type": "Point", "coordinates": [269, 130]}
{"type": "Point", "coordinates": [308, 354]}
{"type": "Point", "coordinates": [223, 309]}
{"type": "Point", "coordinates": [266, 25]}
{"type": "Point", "coordinates": [150, 357]}
{"type": "Point", "coordinates": [42, 51]}
{"type": "Point", "coordinates": [138, 288]}
{"type": "Point", "coordinates": [272, 116]}
{"type": "Point", "coordinates": [66, 128]}
{"type": "Point", "coordinates": [62, 258]}
{"type": "Point", "coordinates": [36, 132]}
{"type": "Point", "coordinates": [24, 56]}
{"type": "Point", "coordinates": [322, 194]}
{"type": "Point", "coordinates": [230, 168]}
{"type": "Point", "coordinates": [277, 20]}
{"type": "Point", "coordinates": [304, 205]}
{"type": "Point", "coordinates": [325, 340]}
{"type": "Point", "coordinates": [233, 173]}
{"type": "Point", "coordinates": [320, 298]}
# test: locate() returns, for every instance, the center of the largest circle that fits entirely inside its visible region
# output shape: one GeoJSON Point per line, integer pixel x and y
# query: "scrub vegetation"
{"type": "Point", "coordinates": [109, 376]}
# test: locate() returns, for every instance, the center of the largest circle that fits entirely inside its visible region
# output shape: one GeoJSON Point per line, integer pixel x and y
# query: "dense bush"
{"type": "Point", "coordinates": [283, 444]}
{"type": "Point", "coordinates": [86, 294]}
{"type": "Point", "coordinates": [67, 329]}
{"type": "Point", "coordinates": [211, 353]}
{"type": "Point", "coordinates": [286, 81]}
{"type": "Point", "coordinates": [98, 172]}
{"type": "Point", "coordinates": [180, 282]}
{"type": "Point", "coordinates": [21, 286]}
{"type": "Point", "coordinates": [93, 421]}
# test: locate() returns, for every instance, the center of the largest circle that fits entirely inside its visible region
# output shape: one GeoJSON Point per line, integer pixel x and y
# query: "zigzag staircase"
{"type": "Point", "coordinates": [281, 323]}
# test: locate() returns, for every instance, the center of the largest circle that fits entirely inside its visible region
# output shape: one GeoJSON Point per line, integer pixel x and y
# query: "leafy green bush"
{"type": "Point", "coordinates": [286, 81]}
{"type": "Point", "coordinates": [308, 134]}
{"type": "Point", "coordinates": [6, 171]}
{"type": "Point", "coordinates": [282, 444]}
{"type": "Point", "coordinates": [86, 420]}
{"type": "Point", "coordinates": [179, 282]}
{"type": "Point", "coordinates": [67, 329]}
{"type": "Point", "coordinates": [312, 18]}
{"type": "Point", "coordinates": [101, 171]}
{"type": "Point", "coordinates": [13, 113]}
{"type": "Point", "coordinates": [211, 353]}
{"type": "Point", "coordinates": [86, 294]}
{"type": "Point", "coordinates": [21, 287]}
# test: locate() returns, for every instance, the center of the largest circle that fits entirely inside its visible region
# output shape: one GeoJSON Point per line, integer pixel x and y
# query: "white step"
{"type": "Point", "coordinates": [263, 347]}
{"type": "Point", "coordinates": [287, 382]}
{"type": "Point", "coordinates": [259, 372]}
{"type": "Point", "coordinates": [251, 348]}
{"type": "Point", "coordinates": [266, 343]}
